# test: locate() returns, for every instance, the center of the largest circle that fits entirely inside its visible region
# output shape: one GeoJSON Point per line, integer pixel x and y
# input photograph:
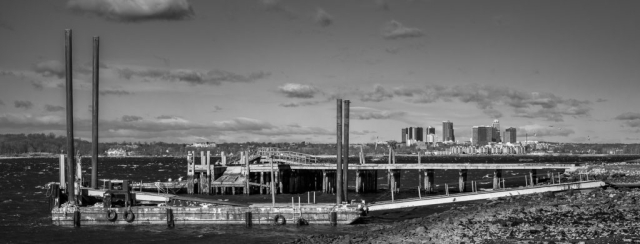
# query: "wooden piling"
{"type": "Point", "coordinates": [339, 153]}
{"type": "Point", "coordinates": [345, 163]}
{"type": "Point", "coordinates": [429, 180]}
{"type": "Point", "coordinates": [69, 92]}
{"type": "Point", "coordinates": [497, 176]}
{"type": "Point", "coordinates": [462, 180]}
{"type": "Point", "coordinates": [533, 177]}
{"type": "Point", "coordinates": [94, 112]}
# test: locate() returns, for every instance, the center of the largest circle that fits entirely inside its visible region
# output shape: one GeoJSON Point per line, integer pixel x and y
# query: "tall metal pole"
{"type": "Point", "coordinates": [273, 188]}
{"type": "Point", "coordinates": [339, 153]}
{"type": "Point", "coordinates": [70, 148]}
{"type": "Point", "coordinates": [345, 136]}
{"type": "Point", "coordinates": [94, 133]}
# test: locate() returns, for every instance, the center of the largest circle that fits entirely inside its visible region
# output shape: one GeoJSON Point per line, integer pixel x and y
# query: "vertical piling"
{"type": "Point", "coordinates": [63, 180]}
{"type": "Point", "coordinates": [69, 88]}
{"type": "Point", "coordinates": [339, 153]}
{"type": "Point", "coordinates": [533, 177]}
{"type": "Point", "coordinates": [94, 111]}
{"type": "Point", "coordinates": [345, 155]}
{"type": "Point", "coordinates": [462, 180]}
{"type": "Point", "coordinates": [497, 176]}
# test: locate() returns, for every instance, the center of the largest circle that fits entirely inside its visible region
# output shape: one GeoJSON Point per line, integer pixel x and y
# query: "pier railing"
{"type": "Point", "coordinates": [288, 156]}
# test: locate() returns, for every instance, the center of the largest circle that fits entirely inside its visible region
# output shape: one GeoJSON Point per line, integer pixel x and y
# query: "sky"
{"type": "Point", "coordinates": [270, 71]}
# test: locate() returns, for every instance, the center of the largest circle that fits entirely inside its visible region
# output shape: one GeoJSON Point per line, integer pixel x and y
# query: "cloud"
{"type": "Point", "coordinates": [23, 104]}
{"type": "Point", "coordinates": [630, 119]}
{"type": "Point", "coordinates": [115, 92]}
{"type": "Point", "coordinates": [299, 104]}
{"type": "Point", "coordinates": [323, 18]}
{"type": "Point", "coordinates": [524, 104]}
{"type": "Point", "coordinates": [378, 94]}
{"type": "Point", "coordinates": [131, 118]}
{"type": "Point", "coordinates": [295, 90]}
{"type": "Point", "coordinates": [395, 30]}
{"type": "Point", "coordinates": [134, 10]}
{"type": "Point", "coordinates": [601, 100]}
{"type": "Point", "coordinates": [533, 131]}
{"type": "Point", "coordinates": [50, 68]}
{"type": "Point", "coordinates": [29, 122]}
{"type": "Point", "coordinates": [363, 113]}
{"type": "Point", "coordinates": [168, 117]}
{"type": "Point", "coordinates": [53, 108]}
{"type": "Point", "coordinates": [212, 77]}
{"type": "Point", "coordinates": [382, 4]}
{"type": "Point", "coordinates": [277, 6]}
{"type": "Point", "coordinates": [216, 108]}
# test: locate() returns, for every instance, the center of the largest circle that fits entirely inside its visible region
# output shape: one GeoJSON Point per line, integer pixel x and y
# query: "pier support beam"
{"type": "Point", "coordinates": [533, 177]}
{"type": "Point", "coordinates": [429, 180]}
{"type": "Point", "coordinates": [394, 180]}
{"type": "Point", "coordinates": [462, 180]}
{"type": "Point", "coordinates": [497, 178]}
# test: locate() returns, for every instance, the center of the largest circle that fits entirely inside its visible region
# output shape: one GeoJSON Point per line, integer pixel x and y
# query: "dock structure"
{"type": "Point", "coordinates": [294, 172]}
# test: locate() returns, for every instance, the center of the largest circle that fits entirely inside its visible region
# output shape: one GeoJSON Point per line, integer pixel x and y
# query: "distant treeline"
{"type": "Point", "coordinates": [35, 144]}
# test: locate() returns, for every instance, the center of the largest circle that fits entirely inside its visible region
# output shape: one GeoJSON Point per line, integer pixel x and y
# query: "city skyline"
{"type": "Point", "coordinates": [268, 70]}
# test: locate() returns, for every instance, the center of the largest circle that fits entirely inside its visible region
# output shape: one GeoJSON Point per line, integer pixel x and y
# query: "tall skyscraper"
{"type": "Point", "coordinates": [510, 135]}
{"type": "Point", "coordinates": [404, 135]}
{"type": "Point", "coordinates": [482, 135]}
{"type": "Point", "coordinates": [431, 130]}
{"type": "Point", "coordinates": [418, 135]}
{"type": "Point", "coordinates": [496, 131]}
{"type": "Point", "coordinates": [447, 131]}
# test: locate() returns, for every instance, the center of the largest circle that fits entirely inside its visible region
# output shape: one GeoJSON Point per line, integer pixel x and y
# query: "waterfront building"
{"type": "Point", "coordinates": [482, 135]}
{"type": "Point", "coordinates": [510, 135]}
{"type": "Point", "coordinates": [496, 131]}
{"type": "Point", "coordinates": [431, 138]}
{"type": "Point", "coordinates": [404, 135]}
{"type": "Point", "coordinates": [431, 130]}
{"type": "Point", "coordinates": [447, 131]}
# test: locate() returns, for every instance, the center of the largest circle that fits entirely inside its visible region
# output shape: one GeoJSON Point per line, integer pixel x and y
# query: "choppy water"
{"type": "Point", "coordinates": [25, 218]}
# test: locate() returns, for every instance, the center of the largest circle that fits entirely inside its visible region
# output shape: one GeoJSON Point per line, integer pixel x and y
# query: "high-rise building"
{"type": "Point", "coordinates": [447, 131]}
{"type": "Point", "coordinates": [510, 135]}
{"type": "Point", "coordinates": [418, 134]}
{"type": "Point", "coordinates": [404, 135]}
{"type": "Point", "coordinates": [431, 130]}
{"type": "Point", "coordinates": [496, 131]}
{"type": "Point", "coordinates": [482, 135]}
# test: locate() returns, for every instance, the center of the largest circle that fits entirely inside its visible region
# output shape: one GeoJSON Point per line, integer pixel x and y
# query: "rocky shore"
{"type": "Point", "coordinates": [588, 216]}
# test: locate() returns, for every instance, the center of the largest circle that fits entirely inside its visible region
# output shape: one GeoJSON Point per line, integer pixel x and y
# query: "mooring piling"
{"type": "Point", "coordinates": [339, 153]}
{"type": "Point", "coordinates": [69, 93]}
{"type": "Point", "coordinates": [94, 112]}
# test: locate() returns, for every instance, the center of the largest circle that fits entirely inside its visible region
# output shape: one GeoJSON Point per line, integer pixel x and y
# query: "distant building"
{"type": "Point", "coordinates": [510, 135]}
{"type": "Point", "coordinates": [404, 135]}
{"type": "Point", "coordinates": [203, 144]}
{"type": "Point", "coordinates": [496, 131]}
{"type": "Point", "coordinates": [431, 130]}
{"type": "Point", "coordinates": [116, 152]}
{"type": "Point", "coordinates": [482, 135]}
{"type": "Point", "coordinates": [447, 131]}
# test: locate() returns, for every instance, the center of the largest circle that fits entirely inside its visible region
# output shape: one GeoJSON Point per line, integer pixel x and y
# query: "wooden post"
{"type": "Point", "coordinates": [462, 180]}
{"type": "Point", "coordinates": [533, 177]}
{"type": "Point", "coordinates": [190, 171]}
{"type": "Point", "coordinates": [69, 92]}
{"type": "Point", "coordinates": [261, 182]}
{"type": "Point", "coordinates": [497, 176]}
{"type": "Point", "coordinates": [63, 181]}
{"type": "Point", "coordinates": [248, 177]}
{"type": "Point", "coordinates": [429, 180]}
{"type": "Point", "coordinates": [208, 178]}
{"type": "Point", "coordinates": [273, 190]}
{"type": "Point", "coordinates": [339, 153]}
{"type": "Point", "coordinates": [345, 163]}
{"type": "Point", "coordinates": [94, 112]}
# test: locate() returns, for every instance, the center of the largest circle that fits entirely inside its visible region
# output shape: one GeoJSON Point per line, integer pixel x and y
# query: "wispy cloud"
{"type": "Point", "coordinates": [363, 113]}
{"type": "Point", "coordinates": [134, 10]}
{"type": "Point", "coordinates": [533, 131]}
{"type": "Point", "coordinates": [394, 30]}
{"type": "Point", "coordinates": [115, 92]}
{"type": "Point", "coordinates": [630, 119]}
{"type": "Point", "coordinates": [50, 68]}
{"type": "Point", "coordinates": [378, 94]}
{"type": "Point", "coordinates": [524, 104]}
{"type": "Point", "coordinates": [23, 104]}
{"type": "Point", "coordinates": [601, 100]}
{"type": "Point", "coordinates": [131, 118]}
{"type": "Point", "coordinates": [212, 77]}
{"type": "Point", "coordinates": [216, 108]}
{"type": "Point", "coordinates": [382, 4]}
{"type": "Point", "coordinates": [53, 108]}
{"type": "Point", "coordinates": [299, 104]}
{"type": "Point", "coordinates": [295, 90]}
{"type": "Point", "coordinates": [323, 18]}
{"type": "Point", "coordinates": [277, 6]}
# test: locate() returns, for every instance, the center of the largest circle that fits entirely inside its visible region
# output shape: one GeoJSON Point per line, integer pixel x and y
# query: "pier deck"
{"type": "Point", "coordinates": [480, 195]}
